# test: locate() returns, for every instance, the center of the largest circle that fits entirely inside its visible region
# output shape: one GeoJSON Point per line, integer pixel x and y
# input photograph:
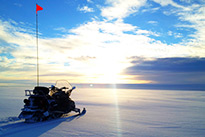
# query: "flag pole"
{"type": "Point", "coordinates": [37, 9]}
{"type": "Point", "coordinates": [37, 48]}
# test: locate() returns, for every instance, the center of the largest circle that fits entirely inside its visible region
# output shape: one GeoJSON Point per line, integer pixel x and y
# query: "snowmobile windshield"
{"type": "Point", "coordinates": [63, 84]}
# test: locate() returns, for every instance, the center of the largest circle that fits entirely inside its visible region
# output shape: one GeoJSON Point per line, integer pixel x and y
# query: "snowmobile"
{"type": "Point", "coordinates": [46, 103]}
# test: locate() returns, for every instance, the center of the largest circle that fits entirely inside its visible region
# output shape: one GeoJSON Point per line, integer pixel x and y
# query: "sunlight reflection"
{"type": "Point", "coordinates": [117, 112]}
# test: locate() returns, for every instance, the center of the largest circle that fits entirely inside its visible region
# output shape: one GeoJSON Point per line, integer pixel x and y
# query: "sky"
{"type": "Point", "coordinates": [103, 41]}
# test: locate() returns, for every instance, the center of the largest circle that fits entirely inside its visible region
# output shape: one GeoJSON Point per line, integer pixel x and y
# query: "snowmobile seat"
{"type": "Point", "coordinates": [41, 90]}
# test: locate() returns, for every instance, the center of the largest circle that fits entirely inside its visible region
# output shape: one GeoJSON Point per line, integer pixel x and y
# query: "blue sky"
{"type": "Point", "coordinates": [103, 41]}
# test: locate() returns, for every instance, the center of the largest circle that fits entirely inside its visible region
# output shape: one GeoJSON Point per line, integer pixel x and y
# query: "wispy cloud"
{"type": "Point", "coordinates": [18, 4]}
{"type": "Point", "coordinates": [147, 33]}
{"type": "Point", "coordinates": [150, 9]}
{"type": "Point", "coordinates": [194, 14]}
{"type": "Point", "coordinates": [85, 9]}
{"type": "Point", "coordinates": [89, 1]}
{"type": "Point", "coordinates": [176, 35]}
{"type": "Point", "coordinates": [167, 2]}
{"type": "Point", "coordinates": [62, 29]}
{"type": "Point", "coordinates": [187, 1]}
{"type": "Point", "coordinates": [153, 22]}
{"type": "Point", "coordinates": [118, 9]}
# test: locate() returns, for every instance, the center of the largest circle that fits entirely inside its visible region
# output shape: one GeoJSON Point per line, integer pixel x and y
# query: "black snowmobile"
{"type": "Point", "coordinates": [48, 103]}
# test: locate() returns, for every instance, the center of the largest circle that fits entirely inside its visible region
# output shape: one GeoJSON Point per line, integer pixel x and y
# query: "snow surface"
{"type": "Point", "coordinates": [112, 112]}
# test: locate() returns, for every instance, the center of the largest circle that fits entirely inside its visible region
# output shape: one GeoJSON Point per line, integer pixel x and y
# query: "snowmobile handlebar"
{"type": "Point", "coordinates": [73, 88]}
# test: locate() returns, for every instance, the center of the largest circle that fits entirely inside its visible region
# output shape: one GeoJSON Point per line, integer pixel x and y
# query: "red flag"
{"type": "Point", "coordinates": [38, 8]}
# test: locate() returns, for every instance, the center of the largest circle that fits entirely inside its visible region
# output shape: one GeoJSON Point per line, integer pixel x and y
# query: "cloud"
{"type": "Point", "coordinates": [153, 22]}
{"type": "Point", "coordinates": [150, 9]}
{"type": "Point", "coordinates": [18, 5]}
{"type": "Point", "coordinates": [89, 1]}
{"type": "Point", "coordinates": [62, 29]}
{"type": "Point", "coordinates": [85, 9]}
{"type": "Point", "coordinates": [190, 16]}
{"type": "Point", "coordinates": [169, 70]}
{"type": "Point", "coordinates": [186, 1]}
{"type": "Point", "coordinates": [173, 64]}
{"type": "Point", "coordinates": [83, 58]}
{"type": "Point", "coordinates": [194, 14]}
{"type": "Point", "coordinates": [176, 35]}
{"type": "Point", "coordinates": [15, 42]}
{"type": "Point", "coordinates": [119, 9]}
{"type": "Point", "coordinates": [191, 19]}
{"type": "Point", "coordinates": [147, 33]}
{"type": "Point", "coordinates": [168, 2]}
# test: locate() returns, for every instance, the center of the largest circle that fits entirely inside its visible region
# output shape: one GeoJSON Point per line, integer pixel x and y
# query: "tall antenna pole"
{"type": "Point", "coordinates": [37, 49]}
